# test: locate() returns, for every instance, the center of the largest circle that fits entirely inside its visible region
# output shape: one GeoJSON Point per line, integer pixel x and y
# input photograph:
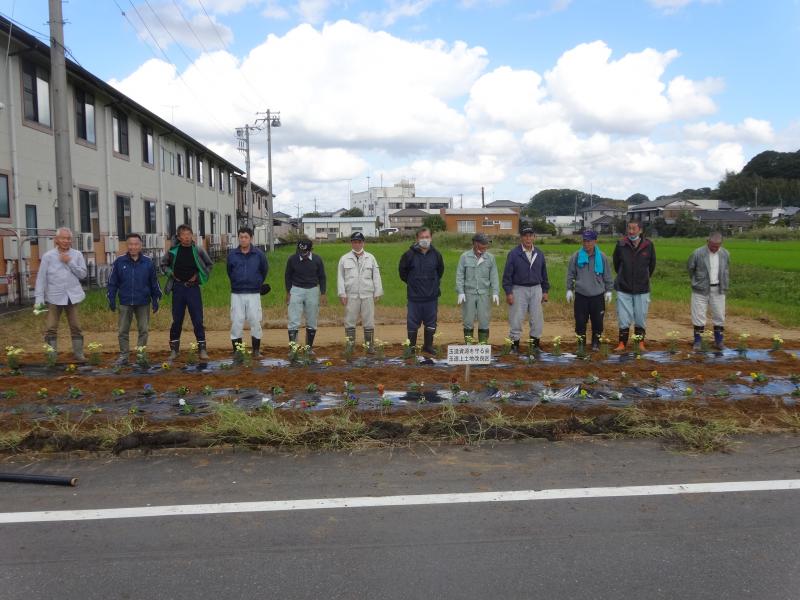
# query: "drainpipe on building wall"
{"type": "Point", "coordinates": [161, 212]}
{"type": "Point", "coordinates": [109, 142]}
{"type": "Point", "coordinates": [12, 121]}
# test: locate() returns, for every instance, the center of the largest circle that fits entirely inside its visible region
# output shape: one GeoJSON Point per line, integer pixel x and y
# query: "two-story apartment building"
{"type": "Point", "coordinates": [132, 171]}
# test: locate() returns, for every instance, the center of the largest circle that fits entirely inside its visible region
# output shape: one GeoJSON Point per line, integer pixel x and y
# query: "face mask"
{"type": "Point", "coordinates": [424, 243]}
{"type": "Point", "coordinates": [633, 238]}
{"type": "Point", "coordinates": [359, 252]}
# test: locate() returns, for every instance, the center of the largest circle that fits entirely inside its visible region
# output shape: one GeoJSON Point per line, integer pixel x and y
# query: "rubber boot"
{"type": "Point", "coordinates": [623, 339]}
{"type": "Point", "coordinates": [640, 332]}
{"type": "Point", "coordinates": [234, 343]}
{"type": "Point", "coordinates": [534, 345]}
{"type": "Point", "coordinates": [52, 341]}
{"type": "Point", "coordinates": [202, 353]}
{"type": "Point", "coordinates": [122, 359]}
{"type": "Point", "coordinates": [698, 338]}
{"type": "Point", "coordinates": [310, 333]}
{"type": "Point", "coordinates": [469, 334]}
{"type": "Point", "coordinates": [174, 349]}
{"type": "Point", "coordinates": [483, 336]}
{"type": "Point", "coordinates": [412, 337]}
{"type": "Point", "coordinates": [719, 343]}
{"type": "Point", "coordinates": [427, 346]}
{"type": "Point", "coordinates": [256, 347]}
{"type": "Point", "coordinates": [293, 335]}
{"type": "Point", "coordinates": [369, 340]}
{"type": "Point", "coordinates": [515, 346]}
{"type": "Point", "coordinates": [77, 349]}
{"type": "Point", "coordinates": [596, 340]}
{"type": "Point", "coordinates": [350, 333]}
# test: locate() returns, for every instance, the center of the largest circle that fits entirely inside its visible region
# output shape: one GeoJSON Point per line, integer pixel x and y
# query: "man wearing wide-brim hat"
{"type": "Point", "coordinates": [589, 285]}
{"type": "Point", "coordinates": [476, 285]}
{"type": "Point", "coordinates": [305, 289]}
{"type": "Point", "coordinates": [359, 286]}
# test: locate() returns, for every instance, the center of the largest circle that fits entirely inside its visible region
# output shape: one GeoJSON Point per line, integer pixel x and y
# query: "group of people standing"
{"type": "Point", "coordinates": [134, 290]}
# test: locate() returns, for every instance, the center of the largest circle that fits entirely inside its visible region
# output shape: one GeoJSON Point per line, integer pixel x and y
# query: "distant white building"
{"type": "Point", "coordinates": [565, 224]}
{"type": "Point", "coordinates": [382, 202]}
{"type": "Point", "coordinates": [332, 228]}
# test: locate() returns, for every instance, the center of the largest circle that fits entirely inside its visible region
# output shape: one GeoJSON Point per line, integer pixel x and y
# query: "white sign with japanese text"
{"type": "Point", "coordinates": [479, 354]}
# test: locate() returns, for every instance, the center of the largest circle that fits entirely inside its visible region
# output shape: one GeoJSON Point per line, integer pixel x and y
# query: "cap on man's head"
{"type": "Point", "coordinates": [526, 231]}
{"type": "Point", "coordinates": [356, 236]}
{"type": "Point", "coordinates": [480, 238]}
{"type": "Point", "coordinates": [304, 245]}
{"type": "Point", "coordinates": [589, 235]}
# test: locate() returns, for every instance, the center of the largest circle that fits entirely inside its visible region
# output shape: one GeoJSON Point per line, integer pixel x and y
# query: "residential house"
{"type": "Point", "coordinates": [668, 209]}
{"type": "Point", "coordinates": [496, 221]}
{"type": "Point", "coordinates": [725, 220]}
{"type": "Point", "coordinates": [593, 213]}
{"type": "Point", "coordinates": [518, 206]}
{"type": "Point", "coordinates": [565, 224]}
{"type": "Point", "coordinates": [408, 220]}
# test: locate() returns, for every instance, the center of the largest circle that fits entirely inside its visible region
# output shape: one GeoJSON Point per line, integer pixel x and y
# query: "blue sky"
{"type": "Point", "coordinates": [738, 57]}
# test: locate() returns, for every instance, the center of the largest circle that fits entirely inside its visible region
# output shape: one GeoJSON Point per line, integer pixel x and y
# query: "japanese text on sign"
{"type": "Point", "coordinates": [469, 355]}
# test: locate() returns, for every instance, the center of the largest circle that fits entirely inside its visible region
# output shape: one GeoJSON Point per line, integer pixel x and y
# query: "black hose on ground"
{"type": "Point", "coordinates": [41, 479]}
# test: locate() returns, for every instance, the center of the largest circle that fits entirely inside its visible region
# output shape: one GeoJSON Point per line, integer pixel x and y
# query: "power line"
{"type": "Point", "coordinates": [189, 25]}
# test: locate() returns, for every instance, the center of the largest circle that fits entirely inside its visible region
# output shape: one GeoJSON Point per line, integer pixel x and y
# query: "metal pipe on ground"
{"type": "Point", "coordinates": [40, 479]}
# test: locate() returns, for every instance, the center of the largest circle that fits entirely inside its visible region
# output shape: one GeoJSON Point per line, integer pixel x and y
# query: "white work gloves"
{"type": "Point", "coordinates": [496, 299]}
{"type": "Point", "coordinates": [608, 296]}
{"type": "Point", "coordinates": [570, 296]}
{"type": "Point", "coordinates": [461, 299]}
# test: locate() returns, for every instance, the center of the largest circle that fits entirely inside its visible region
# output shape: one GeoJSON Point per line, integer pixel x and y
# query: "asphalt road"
{"type": "Point", "coordinates": [723, 545]}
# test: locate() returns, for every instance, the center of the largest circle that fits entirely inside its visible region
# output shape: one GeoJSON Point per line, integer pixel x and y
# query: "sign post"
{"type": "Point", "coordinates": [462, 354]}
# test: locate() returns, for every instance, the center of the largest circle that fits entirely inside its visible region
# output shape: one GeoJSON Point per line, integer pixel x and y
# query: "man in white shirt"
{"type": "Point", "coordinates": [709, 270]}
{"type": "Point", "coordinates": [58, 285]}
{"type": "Point", "coordinates": [359, 286]}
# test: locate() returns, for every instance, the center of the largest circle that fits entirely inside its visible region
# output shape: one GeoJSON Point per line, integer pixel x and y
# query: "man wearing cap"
{"type": "Point", "coordinates": [526, 285]}
{"type": "Point", "coordinates": [247, 270]}
{"type": "Point", "coordinates": [305, 288]}
{"type": "Point", "coordinates": [476, 279]}
{"type": "Point", "coordinates": [634, 261]}
{"type": "Point", "coordinates": [421, 268]}
{"type": "Point", "coordinates": [709, 270]}
{"type": "Point", "coordinates": [589, 285]}
{"type": "Point", "coordinates": [359, 286]}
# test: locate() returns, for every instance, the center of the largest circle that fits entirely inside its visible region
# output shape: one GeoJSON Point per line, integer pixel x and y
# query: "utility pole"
{"type": "Point", "coordinates": [243, 136]}
{"type": "Point", "coordinates": [273, 119]}
{"type": "Point", "coordinates": [58, 82]}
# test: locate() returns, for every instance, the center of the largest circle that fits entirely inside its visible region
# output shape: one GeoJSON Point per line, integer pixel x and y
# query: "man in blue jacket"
{"type": "Point", "coordinates": [526, 286]}
{"type": "Point", "coordinates": [421, 268]}
{"type": "Point", "coordinates": [134, 280]}
{"type": "Point", "coordinates": [247, 269]}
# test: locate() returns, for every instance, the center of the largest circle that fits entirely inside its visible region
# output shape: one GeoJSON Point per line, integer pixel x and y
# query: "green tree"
{"type": "Point", "coordinates": [637, 199]}
{"type": "Point", "coordinates": [435, 223]}
{"type": "Point", "coordinates": [311, 214]}
{"type": "Point", "coordinates": [353, 212]}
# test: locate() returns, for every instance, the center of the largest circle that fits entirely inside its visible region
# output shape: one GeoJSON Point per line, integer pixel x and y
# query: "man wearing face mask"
{"type": "Point", "coordinates": [359, 286]}
{"type": "Point", "coordinates": [305, 289]}
{"type": "Point", "coordinates": [476, 279]}
{"type": "Point", "coordinates": [634, 262]}
{"type": "Point", "coordinates": [421, 268]}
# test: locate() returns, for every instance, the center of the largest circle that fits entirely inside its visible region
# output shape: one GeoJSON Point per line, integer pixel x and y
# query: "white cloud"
{"type": "Point", "coordinates": [312, 11]}
{"type": "Point", "coordinates": [396, 10]}
{"type": "Point", "coordinates": [673, 6]}
{"type": "Point", "coordinates": [168, 23]}
{"type": "Point", "coordinates": [222, 7]}
{"type": "Point", "coordinates": [749, 130]}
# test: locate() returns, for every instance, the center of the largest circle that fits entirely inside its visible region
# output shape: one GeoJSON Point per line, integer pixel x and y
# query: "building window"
{"type": "Point", "coordinates": [465, 226]}
{"type": "Point", "coordinates": [171, 163]}
{"type": "Point", "coordinates": [187, 216]}
{"type": "Point", "coordinates": [84, 116]}
{"type": "Point", "coordinates": [211, 176]}
{"type": "Point", "coordinates": [439, 205]}
{"type": "Point", "coordinates": [199, 170]}
{"type": "Point", "coordinates": [180, 164]}
{"type": "Point", "coordinates": [119, 125]}
{"type": "Point", "coordinates": [5, 198]}
{"type": "Point", "coordinates": [147, 145]}
{"type": "Point", "coordinates": [395, 205]}
{"type": "Point", "coordinates": [31, 223]}
{"type": "Point", "coordinates": [149, 216]}
{"type": "Point", "coordinates": [201, 222]}
{"type": "Point", "coordinates": [213, 223]}
{"type": "Point", "coordinates": [189, 165]}
{"type": "Point", "coordinates": [123, 216]}
{"type": "Point", "coordinates": [163, 159]}
{"type": "Point", "coordinates": [171, 226]}
{"type": "Point", "coordinates": [36, 93]}
{"type": "Point", "coordinates": [221, 181]}
{"type": "Point", "coordinates": [228, 228]}
{"type": "Point", "coordinates": [415, 205]}
{"type": "Point", "coordinates": [505, 224]}
{"type": "Point", "coordinates": [230, 183]}
{"type": "Point", "coordinates": [90, 214]}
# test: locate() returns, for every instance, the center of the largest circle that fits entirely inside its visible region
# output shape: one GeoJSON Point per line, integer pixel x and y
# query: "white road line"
{"type": "Point", "coordinates": [725, 487]}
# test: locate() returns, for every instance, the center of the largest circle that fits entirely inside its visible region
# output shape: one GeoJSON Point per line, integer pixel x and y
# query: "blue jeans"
{"type": "Point", "coordinates": [184, 297]}
{"type": "Point", "coordinates": [422, 312]}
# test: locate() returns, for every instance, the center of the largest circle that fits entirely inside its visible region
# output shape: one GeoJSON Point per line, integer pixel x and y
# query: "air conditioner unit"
{"type": "Point", "coordinates": [10, 248]}
{"type": "Point", "coordinates": [84, 242]}
{"type": "Point", "coordinates": [112, 243]}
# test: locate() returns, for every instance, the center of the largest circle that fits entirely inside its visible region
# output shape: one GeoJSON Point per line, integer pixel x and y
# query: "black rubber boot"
{"type": "Point", "coordinates": [350, 333]}
{"type": "Point", "coordinates": [483, 336]}
{"type": "Point", "coordinates": [369, 340]}
{"type": "Point", "coordinates": [412, 337]}
{"type": "Point", "coordinates": [698, 338]}
{"type": "Point", "coordinates": [596, 340]}
{"type": "Point", "coordinates": [469, 334]}
{"type": "Point", "coordinates": [202, 353]}
{"type": "Point", "coordinates": [719, 343]}
{"type": "Point", "coordinates": [174, 348]}
{"type": "Point", "coordinates": [233, 345]}
{"type": "Point", "coordinates": [534, 345]}
{"type": "Point", "coordinates": [515, 346]}
{"type": "Point", "coordinates": [293, 335]}
{"type": "Point", "coordinates": [310, 333]}
{"type": "Point", "coordinates": [256, 347]}
{"type": "Point", "coordinates": [427, 346]}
